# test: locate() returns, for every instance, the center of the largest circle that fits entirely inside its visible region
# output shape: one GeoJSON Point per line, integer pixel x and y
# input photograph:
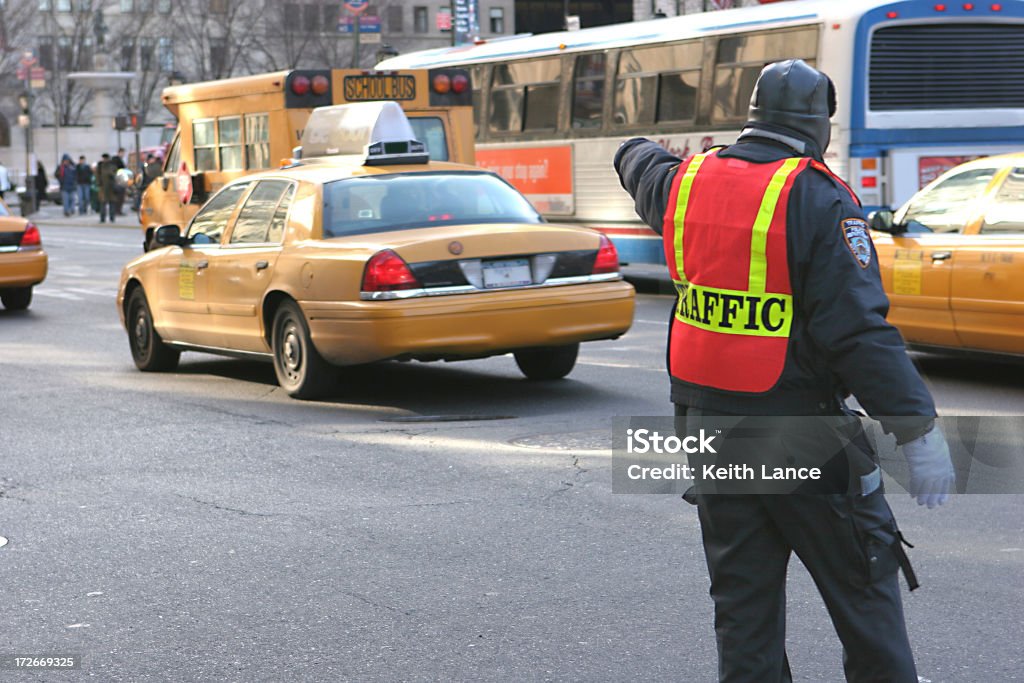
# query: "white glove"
{"type": "Point", "coordinates": [931, 469]}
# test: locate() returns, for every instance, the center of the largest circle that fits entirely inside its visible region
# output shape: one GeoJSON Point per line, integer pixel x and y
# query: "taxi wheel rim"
{"type": "Point", "coordinates": [291, 351]}
{"type": "Point", "coordinates": [141, 332]}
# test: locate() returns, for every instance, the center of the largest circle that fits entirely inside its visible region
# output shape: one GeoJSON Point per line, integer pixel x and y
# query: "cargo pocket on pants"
{"type": "Point", "coordinates": [879, 538]}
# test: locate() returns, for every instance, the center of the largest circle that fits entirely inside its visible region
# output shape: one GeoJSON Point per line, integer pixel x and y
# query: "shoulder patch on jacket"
{"type": "Point", "coordinates": [858, 239]}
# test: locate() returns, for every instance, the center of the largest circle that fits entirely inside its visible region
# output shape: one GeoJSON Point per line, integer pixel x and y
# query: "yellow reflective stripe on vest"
{"type": "Point", "coordinates": [759, 237]}
{"type": "Point", "coordinates": [729, 311]}
{"type": "Point", "coordinates": [682, 200]}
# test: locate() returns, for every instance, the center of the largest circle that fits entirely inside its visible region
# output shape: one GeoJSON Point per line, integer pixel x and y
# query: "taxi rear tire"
{"type": "Point", "coordinates": [17, 299]}
{"type": "Point", "coordinates": [549, 362]}
{"type": "Point", "coordinates": [300, 369]}
{"type": "Point", "coordinates": [149, 351]}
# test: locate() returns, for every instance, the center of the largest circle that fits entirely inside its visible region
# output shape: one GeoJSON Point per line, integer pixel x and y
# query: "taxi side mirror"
{"type": "Point", "coordinates": [167, 235]}
{"type": "Point", "coordinates": [881, 220]}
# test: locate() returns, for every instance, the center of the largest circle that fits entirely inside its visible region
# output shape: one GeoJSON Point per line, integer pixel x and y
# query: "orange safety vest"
{"type": "Point", "coordinates": [725, 244]}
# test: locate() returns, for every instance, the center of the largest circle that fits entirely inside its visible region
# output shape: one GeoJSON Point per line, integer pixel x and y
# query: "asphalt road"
{"type": "Point", "coordinates": [201, 525]}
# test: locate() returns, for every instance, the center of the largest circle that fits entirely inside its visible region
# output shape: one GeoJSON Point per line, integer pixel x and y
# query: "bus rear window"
{"type": "Point", "coordinates": [430, 131]}
{"type": "Point", "coordinates": [420, 200]}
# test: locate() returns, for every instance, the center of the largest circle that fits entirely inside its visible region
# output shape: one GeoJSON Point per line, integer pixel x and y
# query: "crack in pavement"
{"type": "Point", "coordinates": [225, 508]}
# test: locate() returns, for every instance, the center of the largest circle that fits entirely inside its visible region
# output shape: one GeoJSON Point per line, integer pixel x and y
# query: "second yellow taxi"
{"type": "Point", "coordinates": [23, 263]}
{"type": "Point", "coordinates": [952, 259]}
{"type": "Point", "coordinates": [365, 251]}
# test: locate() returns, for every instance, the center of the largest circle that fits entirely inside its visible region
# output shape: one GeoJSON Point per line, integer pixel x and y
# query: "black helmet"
{"type": "Point", "coordinates": [796, 96]}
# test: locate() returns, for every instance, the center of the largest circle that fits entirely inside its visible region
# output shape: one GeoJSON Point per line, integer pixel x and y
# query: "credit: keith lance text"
{"type": "Point", "coordinates": [677, 471]}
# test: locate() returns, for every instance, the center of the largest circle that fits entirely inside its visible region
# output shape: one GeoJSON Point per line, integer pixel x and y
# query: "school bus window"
{"type": "Point", "coordinates": [173, 159]}
{"type": "Point", "coordinates": [512, 84]}
{"type": "Point", "coordinates": [204, 144]}
{"type": "Point", "coordinates": [430, 131]}
{"type": "Point", "coordinates": [588, 91]}
{"type": "Point", "coordinates": [229, 139]}
{"type": "Point", "coordinates": [741, 57]}
{"type": "Point", "coordinates": [257, 141]}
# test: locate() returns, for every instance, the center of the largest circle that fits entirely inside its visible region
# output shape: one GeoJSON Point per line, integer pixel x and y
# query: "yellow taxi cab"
{"type": "Point", "coordinates": [952, 259]}
{"type": "Point", "coordinates": [23, 262]}
{"type": "Point", "coordinates": [363, 251]}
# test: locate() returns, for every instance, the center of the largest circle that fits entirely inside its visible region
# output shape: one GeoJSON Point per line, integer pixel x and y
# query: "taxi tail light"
{"type": "Point", "coordinates": [31, 238]}
{"type": "Point", "coordinates": [387, 272]}
{"type": "Point", "coordinates": [607, 260]}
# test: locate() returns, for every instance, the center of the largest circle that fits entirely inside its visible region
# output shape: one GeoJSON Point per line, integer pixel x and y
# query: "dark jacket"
{"type": "Point", "coordinates": [83, 174]}
{"type": "Point", "coordinates": [840, 342]}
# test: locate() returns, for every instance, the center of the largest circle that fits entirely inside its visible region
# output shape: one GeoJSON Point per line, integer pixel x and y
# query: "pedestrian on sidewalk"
{"type": "Point", "coordinates": [106, 171]}
{"type": "Point", "coordinates": [41, 185]}
{"type": "Point", "coordinates": [83, 179]}
{"type": "Point", "coordinates": [119, 190]}
{"type": "Point", "coordinates": [68, 180]}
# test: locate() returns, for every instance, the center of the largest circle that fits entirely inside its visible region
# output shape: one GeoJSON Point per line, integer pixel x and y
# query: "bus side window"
{"type": "Point", "coordinates": [588, 90]}
{"type": "Point", "coordinates": [173, 160]}
{"type": "Point", "coordinates": [740, 59]}
{"type": "Point", "coordinates": [204, 145]}
{"type": "Point", "coordinates": [477, 79]}
{"type": "Point", "coordinates": [524, 95]}
{"type": "Point", "coordinates": [229, 143]}
{"type": "Point", "coordinates": [257, 141]}
{"type": "Point", "coordinates": [658, 84]}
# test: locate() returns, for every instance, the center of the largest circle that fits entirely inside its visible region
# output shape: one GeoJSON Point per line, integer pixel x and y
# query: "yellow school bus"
{"type": "Point", "coordinates": [236, 126]}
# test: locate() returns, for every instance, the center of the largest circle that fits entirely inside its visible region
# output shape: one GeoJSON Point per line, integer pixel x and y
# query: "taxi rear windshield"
{"type": "Point", "coordinates": [420, 200]}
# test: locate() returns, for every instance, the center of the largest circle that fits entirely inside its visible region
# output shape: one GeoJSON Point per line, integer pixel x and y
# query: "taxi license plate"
{"type": "Point", "coordinates": [509, 273]}
{"type": "Point", "coordinates": [372, 87]}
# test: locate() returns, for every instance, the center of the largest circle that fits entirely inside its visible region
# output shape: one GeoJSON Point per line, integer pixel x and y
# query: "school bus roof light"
{"type": "Point", "coordinates": [320, 85]}
{"type": "Point", "coordinates": [442, 83]}
{"type": "Point", "coordinates": [459, 83]}
{"type": "Point", "coordinates": [300, 85]}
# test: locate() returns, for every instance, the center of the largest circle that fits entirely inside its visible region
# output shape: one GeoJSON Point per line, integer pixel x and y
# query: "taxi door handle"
{"type": "Point", "coordinates": [202, 264]}
{"type": "Point", "coordinates": [941, 255]}
{"type": "Point", "coordinates": [260, 265]}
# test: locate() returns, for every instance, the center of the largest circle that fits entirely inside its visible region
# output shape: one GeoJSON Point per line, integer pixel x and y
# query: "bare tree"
{"type": "Point", "coordinates": [67, 44]}
{"type": "Point", "coordinates": [216, 36]}
{"type": "Point", "coordinates": [147, 48]}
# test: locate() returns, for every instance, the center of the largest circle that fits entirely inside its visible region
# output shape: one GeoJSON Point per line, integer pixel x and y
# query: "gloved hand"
{"type": "Point", "coordinates": [931, 469]}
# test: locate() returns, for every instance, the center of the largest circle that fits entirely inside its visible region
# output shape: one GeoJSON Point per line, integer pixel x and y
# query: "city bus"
{"type": "Point", "coordinates": [235, 126]}
{"type": "Point", "coordinates": [921, 85]}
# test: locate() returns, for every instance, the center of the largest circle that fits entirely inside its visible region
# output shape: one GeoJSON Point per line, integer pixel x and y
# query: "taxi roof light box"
{"type": "Point", "coordinates": [377, 132]}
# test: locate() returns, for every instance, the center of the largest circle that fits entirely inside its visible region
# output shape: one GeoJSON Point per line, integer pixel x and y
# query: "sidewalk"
{"type": "Point", "coordinates": [53, 214]}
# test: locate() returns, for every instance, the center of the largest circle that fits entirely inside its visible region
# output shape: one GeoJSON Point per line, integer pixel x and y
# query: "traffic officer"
{"type": "Point", "coordinates": [781, 311]}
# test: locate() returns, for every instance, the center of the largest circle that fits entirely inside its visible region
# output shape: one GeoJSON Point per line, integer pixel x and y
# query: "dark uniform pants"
{"type": "Point", "coordinates": [846, 544]}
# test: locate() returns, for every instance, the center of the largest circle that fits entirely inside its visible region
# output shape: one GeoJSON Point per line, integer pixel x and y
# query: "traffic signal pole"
{"type": "Point", "coordinates": [30, 171]}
